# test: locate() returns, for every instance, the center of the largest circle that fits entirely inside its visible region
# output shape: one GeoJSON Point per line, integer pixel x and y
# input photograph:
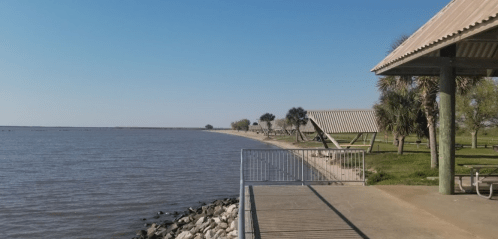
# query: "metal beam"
{"type": "Point", "coordinates": [333, 141]}
{"type": "Point", "coordinates": [436, 72]}
{"type": "Point", "coordinates": [459, 62]}
{"type": "Point", "coordinates": [328, 136]}
{"type": "Point", "coordinates": [319, 131]}
{"type": "Point", "coordinates": [354, 140]}
{"type": "Point", "coordinates": [372, 141]}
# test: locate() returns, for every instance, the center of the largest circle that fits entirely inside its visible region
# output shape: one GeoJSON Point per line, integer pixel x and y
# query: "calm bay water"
{"type": "Point", "coordinates": [101, 182]}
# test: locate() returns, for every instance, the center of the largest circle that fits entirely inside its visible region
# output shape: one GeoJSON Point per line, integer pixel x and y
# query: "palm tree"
{"type": "Point", "coordinates": [400, 84]}
{"type": "Point", "coordinates": [400, 113]}
{"type": "Point", "coordinates": [267, 118]}
{"type": "Point", "coordinates": [428, 87]}
{"type": "Point", "coordinates": [297, 117]}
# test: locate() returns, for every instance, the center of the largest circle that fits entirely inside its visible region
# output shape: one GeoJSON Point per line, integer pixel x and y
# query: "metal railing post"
{"type": "Point", "coordinates": [242, 198]}
{"type": "Point", "coordinates": [363, 156]}
{"type": "Point", "coordinates": [302, 169]}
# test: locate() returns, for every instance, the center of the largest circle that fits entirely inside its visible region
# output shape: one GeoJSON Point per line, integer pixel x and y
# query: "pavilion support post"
{"type": "Point", "coordinates": [354, 139]}
{"type": "Point", "coordinates": [372, 141]}
{"type": "Point", "coordinates": [447, 87]}
{"type": "Point", "coordinates": [320, 133]}
{"type": "Point", "coordinates": [333, 141]}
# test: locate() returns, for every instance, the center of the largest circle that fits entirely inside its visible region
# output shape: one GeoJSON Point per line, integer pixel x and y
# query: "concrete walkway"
{"type": "Point", "coordinates": [366, 212]}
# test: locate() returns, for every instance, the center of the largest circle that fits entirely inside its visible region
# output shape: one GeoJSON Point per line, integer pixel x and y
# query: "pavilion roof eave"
{"type": "Point", "coordinates": [420, 44]}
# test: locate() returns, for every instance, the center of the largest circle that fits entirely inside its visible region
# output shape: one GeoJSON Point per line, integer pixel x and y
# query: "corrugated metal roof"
{"type": "Point", "coordinates": [345, 121]}
{"type": "Point", "coordinates": [308, 128]}
{"type": "Point", "coordinates": [264, 125]}
{"type": "Point", "coordinates": [254, 127]}
{"type": "Point", "coordinates": [459, 20]}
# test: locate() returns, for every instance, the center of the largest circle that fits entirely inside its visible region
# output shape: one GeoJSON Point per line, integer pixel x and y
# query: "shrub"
{"type": "Point", "coordinates": [377, 177]}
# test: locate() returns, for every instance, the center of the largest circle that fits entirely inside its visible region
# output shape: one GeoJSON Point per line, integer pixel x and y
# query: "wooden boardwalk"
{"type": "Point", "coordinates": [388, 212]}
{"type": "Point", "coordinates": [294, 212]}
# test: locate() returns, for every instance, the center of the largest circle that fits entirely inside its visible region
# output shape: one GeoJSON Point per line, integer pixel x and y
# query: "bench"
{"type": "Point", "coordinates": [490, 183]}
{"type": "Point", "coordinates": [460, 176]}
{"type": "Point", "coordinates": [460, 181]}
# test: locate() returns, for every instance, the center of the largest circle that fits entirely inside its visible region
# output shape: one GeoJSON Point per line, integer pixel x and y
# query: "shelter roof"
{"type": "Point", "coordinates": [470, 24]}
{"type": "Point", "coordinates": [307, 128]}
{"type": "Point", "coordinates": [345, 121]}
{"type": "Point", "coordinates": [254, 127]}
{"type": "Point", "coordinates": [264, 125]}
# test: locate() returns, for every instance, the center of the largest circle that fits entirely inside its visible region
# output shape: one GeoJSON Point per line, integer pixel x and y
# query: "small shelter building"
{"type": "Point", "coordinates": [328, 122]}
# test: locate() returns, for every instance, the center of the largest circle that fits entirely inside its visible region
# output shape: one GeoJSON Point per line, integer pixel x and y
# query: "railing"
{"type": "Point", "coordinates": [298, 166]}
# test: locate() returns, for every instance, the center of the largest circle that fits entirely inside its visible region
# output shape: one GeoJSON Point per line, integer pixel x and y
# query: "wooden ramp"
{"type": "Point", "coordinates": [294, 212]}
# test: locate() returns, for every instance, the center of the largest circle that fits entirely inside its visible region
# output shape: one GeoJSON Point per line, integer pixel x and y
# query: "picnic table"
{"type": "Point", "coordinates": [474, 182]}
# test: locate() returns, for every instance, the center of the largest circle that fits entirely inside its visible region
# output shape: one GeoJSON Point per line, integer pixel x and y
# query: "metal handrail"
{"type": "Point", "coordinates": [327, 168]}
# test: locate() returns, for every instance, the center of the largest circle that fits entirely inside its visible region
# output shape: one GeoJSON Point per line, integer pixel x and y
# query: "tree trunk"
{"type": "Point", "coordinates": [395, 137]}
{"type": "Point", "coordinates": [433, 142]}
{"type": "Point", "coordinates": [401, 144]}
{"type": "Point", "coordinates": [297, 135]}
{"type": "Point", "coordinates": [474, 139]}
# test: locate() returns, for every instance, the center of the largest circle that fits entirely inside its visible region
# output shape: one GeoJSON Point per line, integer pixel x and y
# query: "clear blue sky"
{"type": "Point", "coordinates": [190, 63]}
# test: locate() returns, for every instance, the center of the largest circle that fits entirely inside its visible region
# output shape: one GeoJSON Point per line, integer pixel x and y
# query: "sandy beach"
{"type": "Point", "coordinates": [260, 137]}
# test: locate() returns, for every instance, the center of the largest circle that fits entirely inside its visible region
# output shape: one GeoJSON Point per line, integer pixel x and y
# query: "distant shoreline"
{"type": "Point", "coordinates": [116, 127]}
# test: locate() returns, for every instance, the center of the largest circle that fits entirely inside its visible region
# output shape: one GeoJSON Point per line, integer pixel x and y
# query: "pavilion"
{"type": "Point", "coordinates": [328, 122]}
{"type": "Point", "coordinates": [460, 40]}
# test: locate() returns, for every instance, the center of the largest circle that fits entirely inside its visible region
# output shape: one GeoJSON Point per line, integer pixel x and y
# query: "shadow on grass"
{"type": "Point", "coordinates": [477, 156]}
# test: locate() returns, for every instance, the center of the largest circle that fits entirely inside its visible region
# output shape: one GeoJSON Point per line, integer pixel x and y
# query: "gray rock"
{"type": "Point", "coordinates": [161, 232]}
{"type": "Point", "coordinates": [185, 235]}
{"type": "Point", "coordinates": [152, 229]}
{"type": "Point", "coordinates": [203, 226]}
{"type": "Point", "coordinates": [233, 234]}
{"type": "Point", "coordinates": [220, 233]}
{"type": "Point", "coordinates": [169, 236]}
{"type": "Point", "coordinates": [184, 220]}
{"type": "Point", "coordinates": [173, 227]}
{"type": "Point", "coordinates": [234, 225]}
{"type": "Point", "coordinates": [209, 234]}
{"type": "Point", "coordinates": [231, 208]}
{"type": "Point", "coordinates": [200, 221]}
{"type": "Point", "coordinates": [141, 233]}
{"type": "Point", "coordinates": [223, 225]}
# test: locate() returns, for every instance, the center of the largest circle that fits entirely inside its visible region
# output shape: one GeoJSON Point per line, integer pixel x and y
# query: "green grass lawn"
{"type": "Point", "coordinates": [386, 167]}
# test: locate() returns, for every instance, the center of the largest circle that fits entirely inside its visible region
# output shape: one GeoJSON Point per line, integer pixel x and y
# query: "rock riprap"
{"type": "Point", "coordinates": [218, 220]}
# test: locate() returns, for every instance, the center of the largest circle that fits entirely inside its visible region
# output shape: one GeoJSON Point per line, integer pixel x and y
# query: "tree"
{"type": "Point", "coordinates": [255, 123]}
{"type": "Point", "coordinates": [208, 126]}
{"type": "Point", "coordinates": [399, 111]}
{"type": "Point", "coordinates": [241, 124]}
{"type": "Point", "coordinates": [478, 107]}
{"type": "Point", "coordinates": [282, 123]}
{"type": "Point", "coordinates": [388, 84]}
{"type": "Point", "coordinates": [428, 87]}
{"type": "Point", "coordinates": [267, 118]}
{"type": "Point", "coordinates": [297, 117]}
{"type": "Point", "coordinates": [244, 124]}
